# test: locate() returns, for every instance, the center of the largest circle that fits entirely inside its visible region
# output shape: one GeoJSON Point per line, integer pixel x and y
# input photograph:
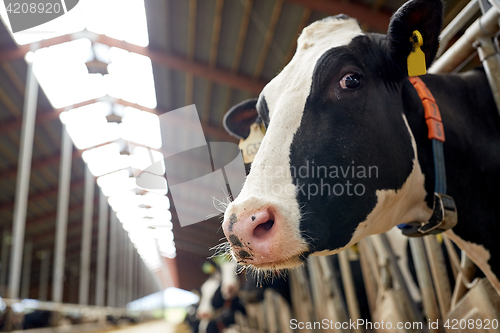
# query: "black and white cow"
{"type": "Point", "coordinates": [218, 301]}
{"type": "Point", "coordinates": [344, 103]}
{"type": "Point", "coordinates": [219, 287]}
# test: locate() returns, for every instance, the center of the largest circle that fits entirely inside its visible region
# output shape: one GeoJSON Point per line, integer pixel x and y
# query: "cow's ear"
{"type": "Point", "coordinates": [426, 16]}
{"type": "Point", "coordinates": [240, 117]}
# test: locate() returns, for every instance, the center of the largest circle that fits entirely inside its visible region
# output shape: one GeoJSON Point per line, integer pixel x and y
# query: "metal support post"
{"type": "Point", "coordinates": [425, 281]}
{"type": "Point", "coordinates": [120, 268]}
{"type": "Point", "coordinates": [490, 58]}
{"type": "Point", "coordinates": [113, 259]}
{"type": "Point", "coordinates": [349, 289]}
{"type": "Point", "coordinates": [124, 257]}
{"type": "Point", "coordinates": [140, 281]}
{"type": "Point", "coordinates": [458, 23]}
{"type": "Point", "coordinates": [88, 213]}
{"type": "Point", "coordinates": [101, 250]}
{"type": "Point", "coordinates": [62, 216]}
{"type": "Point", "coordinates": [136, 276]}
{"type": "Point", "coordinates": [486, 25]}
{"type": "Point", "coordinates": [130, 270]}
{"type": "Point", "coordinates": [439, 274]}
{"type": "Point", "coordinates": [23, 180]}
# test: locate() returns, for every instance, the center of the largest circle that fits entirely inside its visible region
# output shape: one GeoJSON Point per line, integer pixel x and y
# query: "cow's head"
{"type": "Point", "coordinates": [338, 161]}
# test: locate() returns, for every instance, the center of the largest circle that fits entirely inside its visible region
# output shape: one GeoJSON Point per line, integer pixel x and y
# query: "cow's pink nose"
{"type": "Point", "coordinates": [252, 236]}
{"type": "Point", "coordinates": [263, 222]}
{"type": "Point", "coordinates": [203, 315]}
{"type": "Point", "coordinates": [230, 291]}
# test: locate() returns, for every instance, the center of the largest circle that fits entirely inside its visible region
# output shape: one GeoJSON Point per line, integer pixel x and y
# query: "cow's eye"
{"type": "Point", "coordinates": [350, 81]}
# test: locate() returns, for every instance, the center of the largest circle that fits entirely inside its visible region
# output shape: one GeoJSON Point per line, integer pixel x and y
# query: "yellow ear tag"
{"type": "Point", "coordinates": [416, 59]}
{"type": "Point", "coordinates": [251, 145]}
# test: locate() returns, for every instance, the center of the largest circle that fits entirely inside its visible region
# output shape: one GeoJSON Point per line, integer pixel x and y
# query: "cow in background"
{"type": "Point", "coordinates": [219, 302]}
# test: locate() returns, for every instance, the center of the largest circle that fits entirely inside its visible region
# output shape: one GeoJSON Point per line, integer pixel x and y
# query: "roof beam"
{"type": "Point", "coordinates": [48, 115]}
{"type": "Point", "coordinates": [37, 164]}
{"type": "Point", "coordinates": [20, 51]}
{"type": "Point", "coordinates": [44, 194]}
{"type": "Point", "coordinates": [214, 48]}
{"type": "Point", "coordinates": [306, 15]}
{"type": "Point", "coordinates": [377, 20]}
{"type": "Point", "coordinates": [238, 52]}
{"type": "Point", "coordinates": [218, 75]}
{"type": "Point", "coordinates": [175, 62]}
{"type": "Point", "coordinates": [188, 96]}
{"type": "Point", "coordinates": [210, 130]}
{"type": "Point", "coordinates": [16, 81]}
{"type": "Point", "coordinates": [9, 104]}
{"type": "Point", "coordinates": [268, 39]}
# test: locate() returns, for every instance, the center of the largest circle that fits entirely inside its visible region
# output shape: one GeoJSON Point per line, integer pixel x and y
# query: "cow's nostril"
{"type": "Point", "coordinates": [268, 225]}
{"type": "Point", "coordinates": [263, 228]}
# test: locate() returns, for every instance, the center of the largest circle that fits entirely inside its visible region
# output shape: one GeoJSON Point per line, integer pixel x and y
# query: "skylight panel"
{"type": "Point", "coordinates": [123, 199]}
{"type": "Point", "coordinates": [119, 19]}
{"type": "Point", "coordinates": [116, 182]}
{"type": "Point", "coordinates": [128, 199]}
{"type": "Point", "coordinates": [146, 246]}
{"type": "Point", "coordinates": [105, 159]}
{"type": "Point", "coordinates": [131, 78]}
{"type": "Point", "coordinates": [141, 127]}
{"type": "Point", "coordinates": [143, 158]}
{"type": "Point", "coordinates": [166, 244]}
{"type": "Point", "coordinates": [152, 183]}
{"type": "Point", "coordinates": [88, 127]}
{"type": "Point", "coordinates": [80, 71]}
{"type": "Point", "coordinates": [160, 214]}
{"type": "Point", "coordinates": [156, 201]}
{"type": "Point", "coordinates": [62, 73]}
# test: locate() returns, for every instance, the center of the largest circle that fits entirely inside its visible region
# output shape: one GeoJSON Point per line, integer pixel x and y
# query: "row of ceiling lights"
{"type": "Point", "coordinates": [118, 141]}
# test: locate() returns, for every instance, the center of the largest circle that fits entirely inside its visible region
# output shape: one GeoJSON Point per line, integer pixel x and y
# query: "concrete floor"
{"type": "Point", "coordinates": [157, 326]}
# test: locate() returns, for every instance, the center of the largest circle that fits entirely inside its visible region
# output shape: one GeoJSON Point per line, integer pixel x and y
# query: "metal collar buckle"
{"type": "Point", "coordinates": [444, 217]}
{"type": "Point", "coordinates": [444, 214]}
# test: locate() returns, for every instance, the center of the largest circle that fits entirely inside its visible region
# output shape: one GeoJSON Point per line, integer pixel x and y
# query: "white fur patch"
{"type": "Point", "coordinates": [286, 97]}
{"type": "Point", "coordinates": [208, 290]}
{"type": "Point", "coordinates": [229, 282]}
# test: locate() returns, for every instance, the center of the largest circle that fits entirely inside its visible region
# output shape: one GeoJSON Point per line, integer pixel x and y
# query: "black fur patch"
{"type": "Point", "coordinates": [235, 240]}
{"type": "Point", "coordinates": [232, 220]}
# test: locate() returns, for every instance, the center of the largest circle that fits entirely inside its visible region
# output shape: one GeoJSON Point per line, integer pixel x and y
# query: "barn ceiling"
{"type": "Point", "coordinates": [211, 53]}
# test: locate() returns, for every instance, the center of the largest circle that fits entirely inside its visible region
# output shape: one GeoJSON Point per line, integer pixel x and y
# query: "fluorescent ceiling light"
{"type": "Point", "coordinates": [88, 127]}
{"type": "Point", "coordinates": [143, 158]}
{"type": "Point", "coordinates": [66, 81]}
{"type": "Point", "coordinates": [61, 71]}
{"type": "Point", "coordinates": [126, 200]}
{"type": "Point", "coordinates": [105, 159]}
{"type": "Point", "coordinates": [131, 78]}
{"type": "Point", "coordinates": [116, 182]}
{"type": "Point", "coordinates": [119, 19]}
{"type": "Point", "coordinates": [156, 201]}
{"type": "Point", "coordinates": [152, 183]}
